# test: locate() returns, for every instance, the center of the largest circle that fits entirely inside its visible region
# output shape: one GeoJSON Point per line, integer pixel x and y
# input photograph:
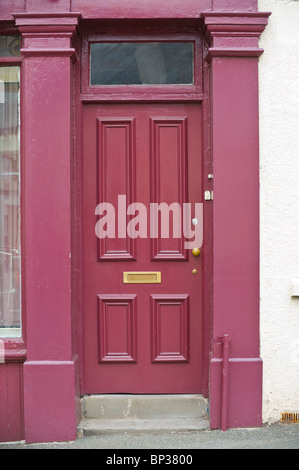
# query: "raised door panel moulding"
{"type": "Point", "coordinates": [170, 335]}
{"type": "Point", "coordinates": [117, 341]}
{"type": "Point", "coordinates": [116, 143]}
{"type": "Point", "coordinates": [168, 140]}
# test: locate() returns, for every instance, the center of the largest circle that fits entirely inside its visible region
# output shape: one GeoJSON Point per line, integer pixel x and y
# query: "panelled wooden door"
{"type": "Point", "coordinates": [140, 337]}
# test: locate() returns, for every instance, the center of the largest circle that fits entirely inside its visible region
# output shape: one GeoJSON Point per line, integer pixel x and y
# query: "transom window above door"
{"type": "Point", "coordinates": [157, 65]}
{"type": "Point", "coordinates": [141, 63]}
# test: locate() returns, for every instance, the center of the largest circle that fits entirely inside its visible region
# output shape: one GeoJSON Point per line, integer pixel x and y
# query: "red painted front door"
{"type": "Point", "coordinates": [143, 336]}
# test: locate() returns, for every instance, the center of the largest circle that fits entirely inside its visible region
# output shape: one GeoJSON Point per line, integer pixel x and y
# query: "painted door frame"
{"type": "Point", "coordinates": [51, 251]}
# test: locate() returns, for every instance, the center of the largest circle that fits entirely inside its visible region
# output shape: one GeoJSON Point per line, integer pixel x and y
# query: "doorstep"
{"type": "Point", "coordinates": [103, 414]}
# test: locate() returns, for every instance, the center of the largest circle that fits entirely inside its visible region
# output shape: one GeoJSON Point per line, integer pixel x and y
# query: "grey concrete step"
{"type": "Point", "coordinates": [148, 413]}
{"type": "Point", "coordinates": [96, 427]}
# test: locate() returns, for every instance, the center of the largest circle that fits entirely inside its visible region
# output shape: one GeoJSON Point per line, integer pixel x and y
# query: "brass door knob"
{"type": "Point", "coordinates": [196, 252]}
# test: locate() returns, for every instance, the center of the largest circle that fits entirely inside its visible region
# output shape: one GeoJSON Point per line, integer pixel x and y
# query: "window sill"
{"type": "Point", "coordinates": [10, 333]}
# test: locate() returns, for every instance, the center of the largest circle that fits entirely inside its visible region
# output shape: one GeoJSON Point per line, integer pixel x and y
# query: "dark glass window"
{"type": "Point", "coordinates": [10, 46]}
{"type": "Point", "coordinates": [141, 63]}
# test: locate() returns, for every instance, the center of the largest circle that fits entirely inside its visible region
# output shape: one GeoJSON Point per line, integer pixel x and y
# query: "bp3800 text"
{"type": "Point", "coordinates": [167, 459]}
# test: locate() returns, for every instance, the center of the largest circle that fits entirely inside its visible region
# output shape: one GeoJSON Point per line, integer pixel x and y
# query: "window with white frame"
{"type": "Point", "coordinates": [10, 233]}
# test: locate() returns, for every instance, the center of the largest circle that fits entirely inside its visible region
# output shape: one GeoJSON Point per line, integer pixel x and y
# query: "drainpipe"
{"type": "Point", "coordinates": [225, 379]}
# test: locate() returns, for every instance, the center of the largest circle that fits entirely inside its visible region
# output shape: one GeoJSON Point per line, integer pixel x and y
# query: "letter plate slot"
{"type": "Point", "coordinates": [142, 277]}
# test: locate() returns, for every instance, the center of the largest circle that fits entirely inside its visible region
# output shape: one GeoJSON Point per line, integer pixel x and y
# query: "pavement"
{"type": "Point", "coordinates": [275, 436]}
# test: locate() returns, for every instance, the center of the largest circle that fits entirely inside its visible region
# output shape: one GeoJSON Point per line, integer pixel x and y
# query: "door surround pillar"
{"type": "Point", "coordinates": [51, 395]}
{"type": "Point", "coordinates": [236, 378]}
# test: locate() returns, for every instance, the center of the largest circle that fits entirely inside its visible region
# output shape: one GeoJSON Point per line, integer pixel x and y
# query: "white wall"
{"type": "Point", "coordinates": [279, 209]}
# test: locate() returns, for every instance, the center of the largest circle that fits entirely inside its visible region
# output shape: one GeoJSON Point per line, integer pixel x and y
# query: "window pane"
{"type": "Point", "coordinates": [10, 46]}
{"type": "Point", "coordinates": [148, 63]}
{"type": "Point", "coordinates": [10, 249]}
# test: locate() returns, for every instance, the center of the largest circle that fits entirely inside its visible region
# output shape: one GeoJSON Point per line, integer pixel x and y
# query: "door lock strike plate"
{"type": "Point", "coordinates": [208, 195]}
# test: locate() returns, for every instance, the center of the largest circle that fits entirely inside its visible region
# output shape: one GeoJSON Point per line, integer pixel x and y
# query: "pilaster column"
{"type": "Point", "coordinates": [233, 56]}
{"type": "Point", "coordinates": [49, 372]}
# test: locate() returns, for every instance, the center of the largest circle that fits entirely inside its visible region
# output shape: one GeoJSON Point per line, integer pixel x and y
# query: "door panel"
{"type": "Point", "coordinates": [115, 169]}
{"type": "Point", "coordinates": [168, 140]}
{"type": "Point", "coordinates": [143, 336]}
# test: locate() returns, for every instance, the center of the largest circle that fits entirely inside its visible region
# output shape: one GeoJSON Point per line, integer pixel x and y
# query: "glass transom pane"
{"type": "Point", "coordinates": [141, 63]}
{"type": "Point", "coordinates": [10, 245]}
{"type": "Point", "coordinates": [10, 46]}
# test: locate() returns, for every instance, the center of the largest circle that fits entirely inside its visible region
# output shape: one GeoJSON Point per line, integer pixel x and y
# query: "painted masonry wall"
{"type": "Point", "coordinates": [279, 214]}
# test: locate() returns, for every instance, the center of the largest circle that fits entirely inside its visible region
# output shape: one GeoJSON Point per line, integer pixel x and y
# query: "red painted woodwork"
{"type": "Point", "coordinates": [51, 188]}
{"type": "Point", "coordinates": [49, 371]}
{"type": "Point", "coordinates": [11, 402]}
{"type": "Point", "coordinates": [117, 333]}
{"type": "Point", "coordinates": [170, 329]}
{"type": "Point", "coordinates": [114, 9]}
{"type": "Point", "coordinates": [141, 338]}
{"type": "Point", "coordinates": [234, 139]}
{"type": "Point", "coordinates": [169, 178]}
{"type": "Point", "coordinates": [116, 138]}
